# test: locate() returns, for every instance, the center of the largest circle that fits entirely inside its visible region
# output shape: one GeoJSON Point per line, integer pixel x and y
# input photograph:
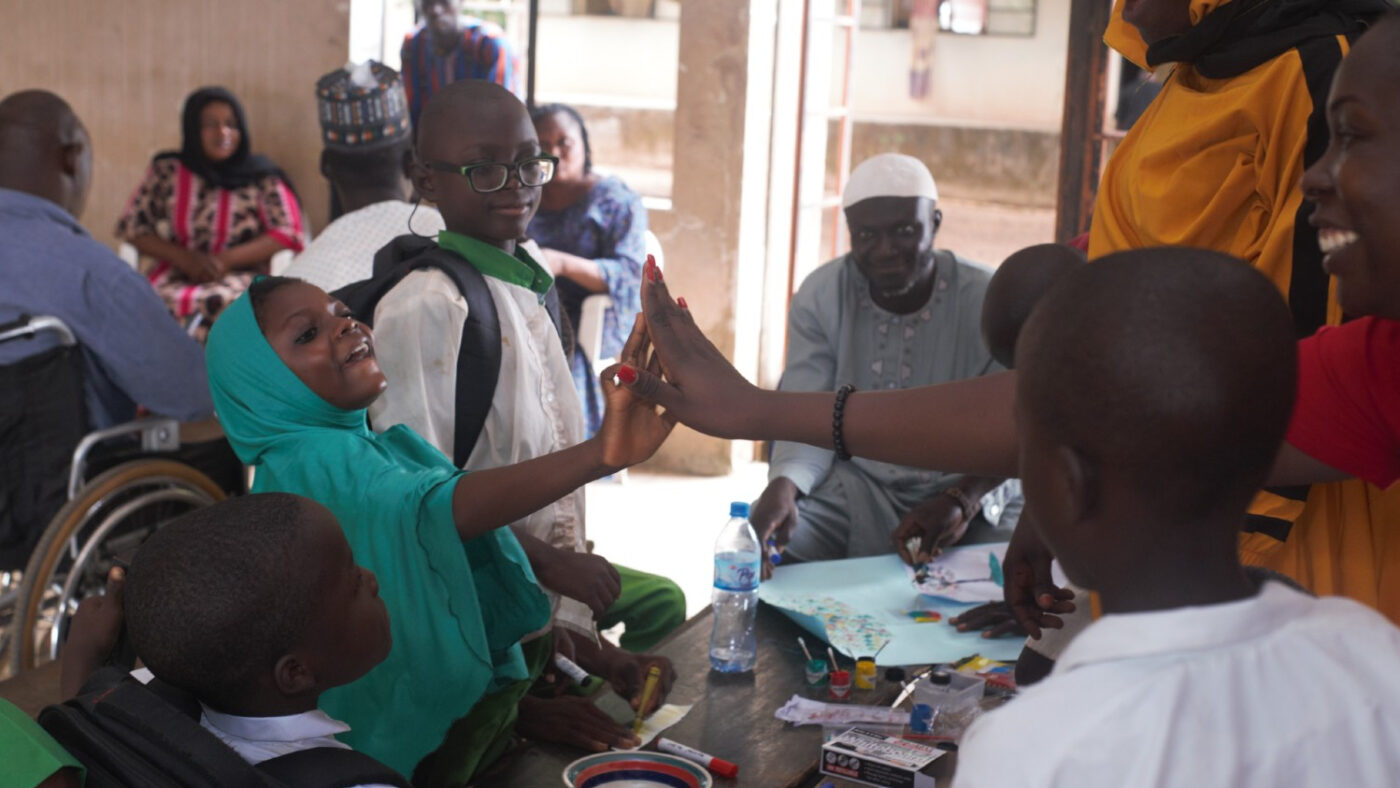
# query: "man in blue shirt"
{"type": "Point", "coordinates": [133, 351]}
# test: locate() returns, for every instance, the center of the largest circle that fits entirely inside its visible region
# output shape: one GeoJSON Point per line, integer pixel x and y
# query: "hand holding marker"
{"type": "Point", "coordinates": [571, 669]}
{"type": "Point", "coordinates": [648, 692]}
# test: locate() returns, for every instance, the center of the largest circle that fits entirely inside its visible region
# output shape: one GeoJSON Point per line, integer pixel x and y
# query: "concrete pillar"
{"type": "Point", "coordinates": [716, 235]}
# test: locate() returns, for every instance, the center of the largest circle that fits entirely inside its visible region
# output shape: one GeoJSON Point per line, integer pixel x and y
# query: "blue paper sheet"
{"type": "Point", "coordinates": [878, 593]}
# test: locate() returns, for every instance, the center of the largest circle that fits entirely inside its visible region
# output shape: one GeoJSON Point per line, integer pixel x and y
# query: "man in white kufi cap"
{"type": "Point", "coordinates": [893, 313]}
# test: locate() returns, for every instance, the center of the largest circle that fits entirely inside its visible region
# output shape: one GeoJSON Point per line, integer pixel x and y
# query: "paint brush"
{"type": "Point", "coordinates": [881, 648]}
{"type": "Point", "coordinates": [803, 644]}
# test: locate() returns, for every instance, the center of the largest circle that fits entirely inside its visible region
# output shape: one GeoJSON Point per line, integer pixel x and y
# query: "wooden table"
{"type": "Point", "coordinates": [732, 717]}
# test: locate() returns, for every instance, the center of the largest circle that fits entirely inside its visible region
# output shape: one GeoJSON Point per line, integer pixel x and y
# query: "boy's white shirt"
{"type": "Point", "coordinates": [258, 739]}
{"type": "Point", "coordinates": [1279, 689]}
{"type": "Point", "coordinates": [418, 334]}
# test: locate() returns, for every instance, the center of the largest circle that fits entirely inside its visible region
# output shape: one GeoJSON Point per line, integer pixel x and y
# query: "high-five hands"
{"type": "Point", "coordinates": [633, 429]}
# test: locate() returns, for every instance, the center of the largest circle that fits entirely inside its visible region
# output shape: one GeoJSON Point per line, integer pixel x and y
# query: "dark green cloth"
{"type": "Point", "coordinates": [478, 739]}
{"type": "Point", "coordinates": [28, 754]}
{"type": "Point", "coordinates": [518, 269]}
{"type": "Point", "coordinates": [651, 606]}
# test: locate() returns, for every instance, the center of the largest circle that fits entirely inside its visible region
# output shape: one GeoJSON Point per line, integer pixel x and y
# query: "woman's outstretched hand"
{"type": "Point", "coordinates": [699, 387]}
{"type": "Point", "coordinates": [632, 428]}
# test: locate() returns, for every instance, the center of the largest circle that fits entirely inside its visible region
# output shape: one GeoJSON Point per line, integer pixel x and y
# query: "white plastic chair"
{"type": "Point", "coordinates": [590, 322]}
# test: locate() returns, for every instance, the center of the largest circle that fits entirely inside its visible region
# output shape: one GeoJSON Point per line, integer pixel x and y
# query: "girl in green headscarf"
{"type": "Point", "coordinates": [292, 374]}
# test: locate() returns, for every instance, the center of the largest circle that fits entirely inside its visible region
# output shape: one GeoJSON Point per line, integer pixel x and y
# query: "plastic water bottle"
{"type": "Point", "coordinates": [733, 646]}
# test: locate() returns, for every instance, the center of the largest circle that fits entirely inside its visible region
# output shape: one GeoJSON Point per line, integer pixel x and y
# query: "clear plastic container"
{"type": "Point", "coordinates": [954, 697]}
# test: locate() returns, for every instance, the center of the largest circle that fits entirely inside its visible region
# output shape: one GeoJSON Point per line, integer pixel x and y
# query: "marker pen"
{"type": "Point", "coordinates": [570, 668]}
{"type": "Point", "coordinates": [717, 765]}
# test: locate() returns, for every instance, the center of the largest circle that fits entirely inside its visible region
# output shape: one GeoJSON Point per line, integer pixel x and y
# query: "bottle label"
{"type": "Point", "coordinates": [736, 572]}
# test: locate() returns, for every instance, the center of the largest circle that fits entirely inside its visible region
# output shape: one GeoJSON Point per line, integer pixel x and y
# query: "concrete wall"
{"type": "Point", "coordinates": [977, 81]}
{"type": "Point", "coordinates": [980, 81]}
{"type": "Point", "coordinates": [989, 128]}
{"type": "Point", "coordinates": [126, 68]}
{"type": "Point", "coordinates": [1011, 166]}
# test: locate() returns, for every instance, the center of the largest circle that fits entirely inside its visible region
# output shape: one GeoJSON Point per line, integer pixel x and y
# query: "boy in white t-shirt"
{"type": "Point", "coordinates": [1153, 393]}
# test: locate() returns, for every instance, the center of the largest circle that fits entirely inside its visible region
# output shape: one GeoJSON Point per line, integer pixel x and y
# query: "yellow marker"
{"type": "Point", "coordinates": [648, 690]}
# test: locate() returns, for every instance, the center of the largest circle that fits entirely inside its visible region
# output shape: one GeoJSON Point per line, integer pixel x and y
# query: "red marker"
{"type": "Point", "coordinates": [719, 766]}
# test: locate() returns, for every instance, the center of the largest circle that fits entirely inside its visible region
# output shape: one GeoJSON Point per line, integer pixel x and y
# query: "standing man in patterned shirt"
{"type": "Point", "coordinates": [448, 47]}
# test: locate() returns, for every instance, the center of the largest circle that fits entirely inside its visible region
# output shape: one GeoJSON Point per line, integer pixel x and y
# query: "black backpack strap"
{"type": "Point", "coordinates": [330, 767]}
{"type": "Point", "coordinates": [478, 358]}
{"type": "Point", "coordinates": [138, 738]}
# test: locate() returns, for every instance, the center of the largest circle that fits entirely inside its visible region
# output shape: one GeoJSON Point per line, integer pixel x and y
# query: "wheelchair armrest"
{"type": "Point", "coordinates": [27, 327]}
{"type": "Point", "coordinates": [157, 434]}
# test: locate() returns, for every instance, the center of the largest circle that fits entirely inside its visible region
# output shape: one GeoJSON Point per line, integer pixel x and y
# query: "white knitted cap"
{"type": "Point", "coordinates": [889, 175]}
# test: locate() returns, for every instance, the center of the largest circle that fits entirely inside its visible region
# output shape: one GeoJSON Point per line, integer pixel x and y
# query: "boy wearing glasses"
{"type": "Point", "coordinates": [478, 158]}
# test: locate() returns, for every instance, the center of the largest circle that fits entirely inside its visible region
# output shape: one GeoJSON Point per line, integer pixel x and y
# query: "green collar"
{"type": "Point", "coordinates": [520, 269]}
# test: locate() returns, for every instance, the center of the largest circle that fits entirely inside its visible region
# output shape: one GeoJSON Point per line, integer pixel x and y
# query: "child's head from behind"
{"type": "Point", "coordinates": [315, 335]}
{"type": "Point", "coordinates": [1153, 393]}
{"type": "Point", "coordinates": [1015, 289]}
{"type": "Point", "coordinates": [255, 605]}
{"type": "Point", "coordinates": [476, 122]}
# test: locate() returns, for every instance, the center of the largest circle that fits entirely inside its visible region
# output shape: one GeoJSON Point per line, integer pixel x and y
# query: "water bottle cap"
{"type": "Point", "coordinates": [739, 509]}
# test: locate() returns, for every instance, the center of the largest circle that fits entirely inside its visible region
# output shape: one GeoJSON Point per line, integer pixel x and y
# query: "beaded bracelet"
{"type": "Point", "coordinates": [838, 439]}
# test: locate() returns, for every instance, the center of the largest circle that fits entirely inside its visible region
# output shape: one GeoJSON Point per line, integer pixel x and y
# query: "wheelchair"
{"type": "Point", "coordinates": [74, 503]}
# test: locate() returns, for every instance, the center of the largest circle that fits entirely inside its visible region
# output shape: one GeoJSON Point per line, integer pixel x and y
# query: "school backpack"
{"type": "Point", "coordinates": [133, 735]}
{"type": "Point", "coordinates": [479, 359]}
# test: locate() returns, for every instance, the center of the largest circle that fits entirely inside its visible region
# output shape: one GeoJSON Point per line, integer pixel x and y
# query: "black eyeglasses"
{"type": "Point", "coordinates": [493, 176]}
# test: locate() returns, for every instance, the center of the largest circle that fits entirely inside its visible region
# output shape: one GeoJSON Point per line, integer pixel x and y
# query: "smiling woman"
{"type": "Point", "coordinates": [1348, 411]}
{"type": "Point", "coordinates": [211, 214]}
{"type": "Point", "coordinates": [1356, 184]}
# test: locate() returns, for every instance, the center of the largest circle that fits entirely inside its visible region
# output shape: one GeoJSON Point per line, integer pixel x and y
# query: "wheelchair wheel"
{"type": "Point", "coordinates": [113, 514]}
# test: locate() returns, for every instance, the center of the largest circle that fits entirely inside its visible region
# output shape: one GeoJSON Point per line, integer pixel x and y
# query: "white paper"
{"type": "Point", "coordinates": [669, 714]}
{"type": "Point", "coordinates": [962, 575]}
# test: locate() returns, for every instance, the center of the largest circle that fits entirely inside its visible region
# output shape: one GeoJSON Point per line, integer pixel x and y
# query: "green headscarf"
{"type": "Point", "coordinates": [457, 609]}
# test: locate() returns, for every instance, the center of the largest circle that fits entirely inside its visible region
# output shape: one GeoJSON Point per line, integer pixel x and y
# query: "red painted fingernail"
{"type": "Point", "coordinates": [627, 375]}
{"type": "Point", "coordinates": [659, 276]}
{"type": "Point", "coordinates": [652, 273]}
{"type": "Point", "coordinates": [681, 301]}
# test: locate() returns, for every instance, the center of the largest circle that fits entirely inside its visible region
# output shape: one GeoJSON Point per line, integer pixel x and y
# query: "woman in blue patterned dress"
{"type": "Point", "coordinates": [592, 230]}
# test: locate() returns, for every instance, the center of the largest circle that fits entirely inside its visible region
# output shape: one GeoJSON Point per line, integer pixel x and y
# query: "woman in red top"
{"type": "Point", "coordinates": [1348, 411]}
